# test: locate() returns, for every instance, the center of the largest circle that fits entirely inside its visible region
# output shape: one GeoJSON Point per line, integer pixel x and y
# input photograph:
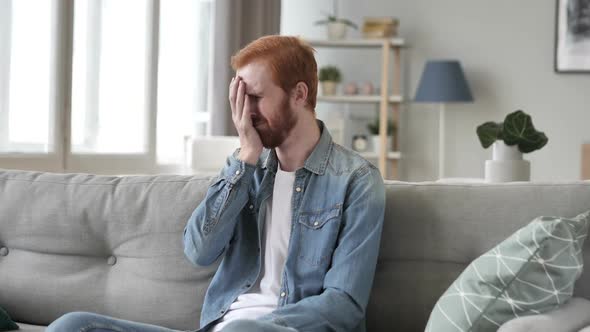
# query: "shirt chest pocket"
{"type": "Point", "coordinates": [318, 235]}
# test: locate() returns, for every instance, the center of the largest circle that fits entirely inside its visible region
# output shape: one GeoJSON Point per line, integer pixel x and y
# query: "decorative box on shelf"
{"type": "Point", "coordinates": [380, 27]}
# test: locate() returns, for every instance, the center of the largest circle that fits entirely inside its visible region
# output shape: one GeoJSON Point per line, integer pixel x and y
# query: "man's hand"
{"type": "Point", "coordinates": [250, 143]}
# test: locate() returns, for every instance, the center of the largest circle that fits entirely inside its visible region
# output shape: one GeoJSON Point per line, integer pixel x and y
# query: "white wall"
{"type": "Point", "coordinates": [506, 49]}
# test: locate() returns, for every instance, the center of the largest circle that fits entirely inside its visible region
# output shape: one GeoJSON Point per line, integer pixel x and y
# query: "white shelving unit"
{"type": "Point", "coordinates": [373, 155]}
{"type": "Point", "coordinates": [376, 42]}
{"type": "Point", "coordinates": [389, 97]}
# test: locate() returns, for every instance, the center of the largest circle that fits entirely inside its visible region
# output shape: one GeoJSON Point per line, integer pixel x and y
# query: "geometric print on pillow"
{"type": "Point", "coordinates": [531, 272]}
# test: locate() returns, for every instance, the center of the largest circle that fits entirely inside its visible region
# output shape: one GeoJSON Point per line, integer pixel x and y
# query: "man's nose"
{"type": "Point", "coordinates": [253, 106]}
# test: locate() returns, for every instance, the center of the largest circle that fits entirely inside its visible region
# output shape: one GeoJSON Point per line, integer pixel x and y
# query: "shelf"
{"type": "Point", "coordinates": [357, 99]}
{"type": "Point", "coordinates": [392, 155]}
{"type": "Point", "coordinates": [390, 88]}
{"type": "Point", "coordinates": [376, 42]}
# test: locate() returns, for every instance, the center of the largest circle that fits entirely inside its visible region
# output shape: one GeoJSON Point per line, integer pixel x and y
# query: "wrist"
{"type": "Point", "coordinates": [249, 156]}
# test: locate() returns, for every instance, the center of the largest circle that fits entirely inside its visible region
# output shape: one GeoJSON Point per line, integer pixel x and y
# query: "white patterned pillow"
{"type": "Point", "coordinates": [531, 272]}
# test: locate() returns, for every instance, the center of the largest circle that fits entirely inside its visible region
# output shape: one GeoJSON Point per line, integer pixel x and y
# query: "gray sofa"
{"type": "Point", "coordinates": [113, 245]}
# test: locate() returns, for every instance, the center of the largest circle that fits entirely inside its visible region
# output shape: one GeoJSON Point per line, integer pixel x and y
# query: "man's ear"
{"type": "Point", "coordinates": [299, 94]}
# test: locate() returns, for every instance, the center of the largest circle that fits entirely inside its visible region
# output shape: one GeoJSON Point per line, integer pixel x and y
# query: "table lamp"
{"type": "Point", "coordinates": [443, 82]}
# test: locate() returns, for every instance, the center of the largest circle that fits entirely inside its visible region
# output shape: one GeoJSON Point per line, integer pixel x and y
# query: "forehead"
{"type": "Point", "coordinates": [257, 76]}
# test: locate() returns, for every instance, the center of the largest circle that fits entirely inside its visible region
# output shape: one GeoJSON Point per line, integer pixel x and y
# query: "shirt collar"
{"type": "Point", "coordinates": [317, 160]}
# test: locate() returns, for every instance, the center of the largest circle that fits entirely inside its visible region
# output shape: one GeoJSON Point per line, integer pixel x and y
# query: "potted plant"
{"type": "Point", "coordinates": [336, 25]}
{"type": "Point", "coordinates": [329, 77]}
{"type": "Point", "coordinates": [510, 139]}
{"type": "Point", "coordinates": [373, 128]}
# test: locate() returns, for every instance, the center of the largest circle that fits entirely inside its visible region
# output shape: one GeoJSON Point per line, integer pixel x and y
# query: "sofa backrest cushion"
{"type": "Point", "coordinates": [105, 244]}
{"type": "Point", "coordinates": [432, 231]}
{"type": "Point", "coordinates": [113, 245]}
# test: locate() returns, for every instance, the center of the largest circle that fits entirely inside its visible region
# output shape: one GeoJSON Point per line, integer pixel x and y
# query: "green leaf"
{"type": "Point", "coordinates": [488, 133]}
{"type": "Point", "coordinates": [321, 22]}
{"type": "Point", "coordinates": [519, 130]}
{"type": "Point", "coordinates": [373, 127]}
{"type": "Point", "coordinates": [329, 73]}
{"type": "Point", "coordinates": [333, 19]}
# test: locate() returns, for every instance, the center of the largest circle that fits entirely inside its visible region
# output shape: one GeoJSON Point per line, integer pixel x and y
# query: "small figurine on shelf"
{"type": "Point", "coordinates": [336, 25]}
{"type": "Point", "coordinates": [367, 88]}
{"type": "Point", "coordinates": [350, 88]}
{"type": "Point", "coordinates": [373, 128]}
{"type": "Point", "coordinates": [329, 77]}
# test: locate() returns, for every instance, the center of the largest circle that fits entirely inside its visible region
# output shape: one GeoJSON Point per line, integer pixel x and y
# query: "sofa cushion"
{"type": "Point", "coordinates": [433, 231]}
{"type": "Point", "coordinates": [104, 244]}
{"type": "Point", "coordinates": [6, 324]}
{"type": "Point", "coordinates": [572, 316]}
{"type": "Point", "coordinates": [531, 272]}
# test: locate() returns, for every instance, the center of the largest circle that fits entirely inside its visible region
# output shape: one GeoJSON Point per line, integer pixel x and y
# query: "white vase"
{"type": "Point", "coordinates": [376, 140]}
{"type": "Point", "coordinates": [329, 88]}
{"type": "Point", "coordinates": [507, 164]}
{"type": "Point", "coordinates": [336, 30]}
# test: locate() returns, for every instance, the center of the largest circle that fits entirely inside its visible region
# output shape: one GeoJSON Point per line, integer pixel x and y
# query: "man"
{"type": "Point", "coordinates": [297, 224]}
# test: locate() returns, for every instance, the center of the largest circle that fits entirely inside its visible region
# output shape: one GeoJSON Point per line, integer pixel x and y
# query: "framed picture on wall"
{"type": "Point", "coordinates": [572, 36]}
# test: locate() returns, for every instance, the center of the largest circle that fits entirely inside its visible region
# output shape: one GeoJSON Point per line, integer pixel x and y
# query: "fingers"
{"type": "Point", "coordinates": [232, 98]}
{"type": "Point", "coordinates": [246, 113]}
{"type": "Point", "coordinates": [232, 91]}
{"type": "Point", "coordinates": [240, 99]}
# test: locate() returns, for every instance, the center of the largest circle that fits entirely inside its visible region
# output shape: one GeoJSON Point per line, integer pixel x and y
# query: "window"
{"type": "Point", "coordinates": [182, 75]}
{"type": "Point", "coordinates": [109, 76]}
{"type": "Point", "coordinates": [135, 82]}
{"type": "Point", "coordinates": [25, 115]}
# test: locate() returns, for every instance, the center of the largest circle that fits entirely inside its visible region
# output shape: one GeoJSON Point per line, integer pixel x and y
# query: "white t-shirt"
{"type": "Point", "coordinates": [263, 297]}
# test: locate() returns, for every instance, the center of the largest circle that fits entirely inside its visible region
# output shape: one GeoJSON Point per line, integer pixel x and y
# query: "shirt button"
{"type": "Point", "coordinates": [316, 223]}
{"type": "Point", "coordinates": [238, 172]}
{"type": "Point", "coordinates": [283, 294]}
{"type": "Point", "coordinates": [251, 207]}
{"type": "Point", "coordinates": [112, 260]}
{"type": "Point", "coordinates": [298, 189]}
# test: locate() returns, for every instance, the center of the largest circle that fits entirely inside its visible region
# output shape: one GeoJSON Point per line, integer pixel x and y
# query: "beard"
{"type": "Point", "coordinates": [273, 134]}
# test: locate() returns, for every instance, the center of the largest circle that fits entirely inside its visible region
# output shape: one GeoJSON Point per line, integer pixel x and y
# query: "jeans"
{"type": "Point", "coordinates": [86, 321]}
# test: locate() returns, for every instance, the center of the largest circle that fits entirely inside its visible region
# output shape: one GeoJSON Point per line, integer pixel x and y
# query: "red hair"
{"type": "Point", "coordinates": [290, 61]}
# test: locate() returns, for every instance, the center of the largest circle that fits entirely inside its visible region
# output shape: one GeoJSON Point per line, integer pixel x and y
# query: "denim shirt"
{"type": "Point", "coordinates": [337, 216]}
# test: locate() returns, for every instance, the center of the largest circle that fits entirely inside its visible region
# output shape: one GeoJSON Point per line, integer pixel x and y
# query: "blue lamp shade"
{"type": "Point", "coordinates": [443, 81]}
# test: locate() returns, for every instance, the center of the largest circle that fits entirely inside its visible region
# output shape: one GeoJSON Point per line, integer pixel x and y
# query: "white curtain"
{"type": "Point", "coordinates": [235, 24]}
